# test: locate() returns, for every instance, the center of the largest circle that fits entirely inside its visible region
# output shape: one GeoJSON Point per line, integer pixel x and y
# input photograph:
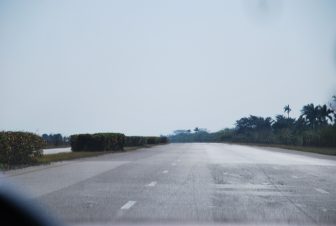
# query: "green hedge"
{"type": "Point", "coordinates": [163, 140]}
{"type": "Point", "coordinates": [131, 141]}
{"type": "Point", "coordinates": [153, 140]}
{"type": "Point", "coordinates": [110, 141]}
{"type": "Point", "coordinates": [323, 137]}
{"type": "Point", "coordinates": [139, 140]}
{"type": "Point", "coordinates": [19, 148]}
{"type": "Point", "coordinates": [97, 142]}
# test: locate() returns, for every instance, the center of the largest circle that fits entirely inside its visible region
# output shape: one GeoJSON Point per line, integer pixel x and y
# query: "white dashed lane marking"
{"type": "Point", "coordinates": [165, 171]}
{"type": "Point", "coordinates": [128, 205]}
{"type": "Point", "coordinates": [321, 191]}
{"type": "Point", "coordinates": [151, 184]}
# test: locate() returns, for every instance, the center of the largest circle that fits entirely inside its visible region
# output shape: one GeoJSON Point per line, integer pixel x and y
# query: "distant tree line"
{"type": "Point", "coordinates": [316, 126]}
{"type": "Point", "coordinates": [56, 140]}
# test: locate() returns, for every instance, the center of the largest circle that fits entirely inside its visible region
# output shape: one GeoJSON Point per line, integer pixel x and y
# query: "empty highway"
{"type": "Point", "coordinates": [187, 183]}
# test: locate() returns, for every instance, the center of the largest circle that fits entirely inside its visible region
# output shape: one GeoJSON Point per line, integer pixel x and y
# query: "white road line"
{"type": "Point", "coordinates": [151, 184]}
{"type": "Point", "coordinates": [173, 164]}
{"type": "Point", "coordinates": [128, 205]}
{"type": "Point", "coordinates": [295, 177]}
{"type": "Point", "coordinates": [321, 191]}
{"type": "Point", "coordinates": [324, 210]}
{"type": "Point", "coordinates": [165, 171]}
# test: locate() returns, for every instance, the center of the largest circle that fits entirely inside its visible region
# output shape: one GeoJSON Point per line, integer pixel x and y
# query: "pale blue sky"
{"type": "Point", "coordinates": [150, 67]}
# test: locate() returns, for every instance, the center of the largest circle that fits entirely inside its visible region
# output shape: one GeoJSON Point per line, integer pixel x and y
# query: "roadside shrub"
{"type": "Point", "coordinates": [97, 142]}
{"type": "Point", "coordinates": [328, 136]}
{"type": "Point", "coordinates": [153, 140]}
{"type": "Point", "coordinates": [311, 138]}
{"type": "Point", "coordinates": [20, 148]}
{"type": "Point", "coordinates": [325, 137]}
{"type": "Point", "coordinates": [163, 140]}
{"type": "Point", "coordinates": [285, 136]}
{"type": "Point", "coordinates": [139, 140]}
{"type": "Point", "coordinates": [131, 141]}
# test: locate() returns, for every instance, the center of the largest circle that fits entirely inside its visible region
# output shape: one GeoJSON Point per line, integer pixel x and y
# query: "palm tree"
{"type": "Point", "coordinates": [310, 113]}
{"type": "Point", "coordinates": [332, 106]}
{"type": "Point", "coordinates": [287, 109]}
{"type": "Point", "coordinates": [323, 114]}
{"type": "Point", "coordinates": [253, 123]}
{"type": "Point", "coordinates": [282, 122]}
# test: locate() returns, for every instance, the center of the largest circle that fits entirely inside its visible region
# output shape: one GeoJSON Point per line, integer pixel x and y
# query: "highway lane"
{"type": "Point", "coordinates": [188, 183]}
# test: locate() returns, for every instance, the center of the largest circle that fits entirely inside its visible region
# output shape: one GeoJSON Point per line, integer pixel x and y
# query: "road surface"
{"type": "Point", "coordinates": [188, 183]}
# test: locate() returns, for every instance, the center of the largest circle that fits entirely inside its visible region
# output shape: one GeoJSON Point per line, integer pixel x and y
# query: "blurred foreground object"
{"type": "Point", "coordinates": [15, 209]}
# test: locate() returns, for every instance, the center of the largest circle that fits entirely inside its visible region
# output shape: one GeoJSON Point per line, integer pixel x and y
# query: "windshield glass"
{"type": "Point", "coordinates": [177, 112]}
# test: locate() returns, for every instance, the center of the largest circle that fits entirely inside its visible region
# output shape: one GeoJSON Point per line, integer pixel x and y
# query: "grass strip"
{"type": "Point", "coordinates": [67, 156]}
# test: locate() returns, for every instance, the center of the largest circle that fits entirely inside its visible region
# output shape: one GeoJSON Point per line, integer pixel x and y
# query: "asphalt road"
{"type": "Point", "coordinates": [188, 183]}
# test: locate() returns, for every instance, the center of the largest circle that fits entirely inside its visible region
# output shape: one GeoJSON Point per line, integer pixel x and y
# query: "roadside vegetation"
{"type": "Point", "coordinates": [314, 130]}
{"type": "Point", "coordinates": [19, 149]}
{"type": "Point", "coordinates": [44, 159]}
{"type": "Point", "coordinates": [56, 140]}
{"type": "Point", "coordinates": [110, 141]}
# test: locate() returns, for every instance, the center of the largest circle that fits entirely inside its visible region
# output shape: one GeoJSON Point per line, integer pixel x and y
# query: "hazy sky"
{"type": "Point", "coordinates": [150, 67]}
